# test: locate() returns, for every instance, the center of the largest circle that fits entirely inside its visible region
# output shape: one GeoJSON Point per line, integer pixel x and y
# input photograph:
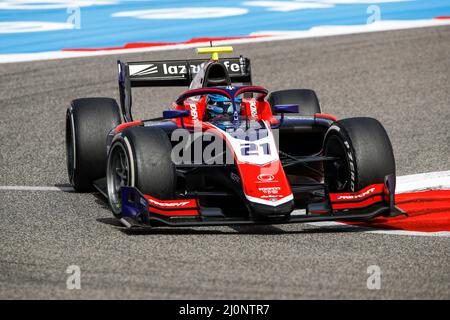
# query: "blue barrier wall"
{"type": "Point", "coordinates": [37, 26]}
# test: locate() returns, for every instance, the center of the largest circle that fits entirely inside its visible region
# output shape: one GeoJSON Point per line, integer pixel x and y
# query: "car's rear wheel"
{"type": "Point", "coordinates": [88, 122]}
{"type": "Point", "coordinates": [140, 157]}
{"type": "Point", "coordinates": [305, 98]}
{"type": "Point", "coordinates": [364, 153]}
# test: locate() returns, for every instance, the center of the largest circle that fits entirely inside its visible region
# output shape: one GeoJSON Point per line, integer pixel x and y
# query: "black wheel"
{"type": "Point", "coordinates": [305, 98]}
{"type": "Point", "coordinates": [364, 151]}
{"type": "Point", "coordinates": [140, 157]}
{"type": "Point", "coordinates": [88, 122]}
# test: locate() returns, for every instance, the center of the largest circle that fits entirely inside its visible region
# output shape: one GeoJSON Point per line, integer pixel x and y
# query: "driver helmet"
{"type": "Point", "coordinates": [217, 104]}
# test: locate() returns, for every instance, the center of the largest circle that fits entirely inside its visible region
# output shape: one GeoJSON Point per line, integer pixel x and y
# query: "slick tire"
{"type": "Point", "coordinates": [364, 151]}
{"type": "Point", "coordinates": [88, 122]}
{"type": "Point", "coordinates": [140, 157]}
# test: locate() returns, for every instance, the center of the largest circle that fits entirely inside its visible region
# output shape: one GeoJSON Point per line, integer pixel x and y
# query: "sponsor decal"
{"type": "Point", "coordinates": [270, 190]}
{"type": "Point", "coordinates": [272, 197]}
{"type": "Point", "coordinates": [357, 196]}
{"type": "Point", "coordinates": [253, 109]}
{"type": "Point", "coordinates": [143, 70]}
{"type": "Point", "coordinates": [181, 68]}
{"type": "Point", "coordinates": [194, 112]}
{"type": "Point", "coordinates": [168, 204]}
{"type": "Point", "coordinates": [234, 67]}
{"type": "Point", "coordinates": [265, 177]}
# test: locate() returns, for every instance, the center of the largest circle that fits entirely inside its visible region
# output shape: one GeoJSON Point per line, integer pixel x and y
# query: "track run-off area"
{"type": "Point", "coordinates": [400, 77]}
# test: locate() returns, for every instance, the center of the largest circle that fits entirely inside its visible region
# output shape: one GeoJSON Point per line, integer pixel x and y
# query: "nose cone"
{"type": "Point", "coordinates": [263, 211]}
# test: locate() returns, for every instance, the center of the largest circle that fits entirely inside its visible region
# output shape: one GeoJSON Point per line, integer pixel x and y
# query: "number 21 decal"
{"type": "Point", "coordinates": [252, 149]}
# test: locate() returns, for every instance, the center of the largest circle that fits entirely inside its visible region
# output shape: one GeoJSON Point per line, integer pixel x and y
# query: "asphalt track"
{"type": "Point", "coordinates": [400, 77]}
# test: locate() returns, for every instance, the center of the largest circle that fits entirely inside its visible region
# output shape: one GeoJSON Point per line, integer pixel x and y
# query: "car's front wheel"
{"type": "Point", "coordinates": [363, 151]}
{"type": "Point", "coordinates": [140, 157]}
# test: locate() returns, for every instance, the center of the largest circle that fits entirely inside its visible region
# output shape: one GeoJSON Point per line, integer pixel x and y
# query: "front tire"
{"type": "Point", "coordinates": [88, 122]}
{"type": "Point", "coordinates": [140, 157]}
{"type": "Point", "coordinates": [364, 151]}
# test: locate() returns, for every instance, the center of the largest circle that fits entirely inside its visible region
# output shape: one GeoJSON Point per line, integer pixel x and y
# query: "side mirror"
{"type": "Point", "coordinates": [285, 108]}
{"type": "Point", "coordinates": [172, 114]}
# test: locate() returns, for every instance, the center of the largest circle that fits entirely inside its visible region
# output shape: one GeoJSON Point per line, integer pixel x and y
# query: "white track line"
{"type": "Point", "coordinates": [319, 31]}
{"type": "Point", "coordinates": [36, 188]}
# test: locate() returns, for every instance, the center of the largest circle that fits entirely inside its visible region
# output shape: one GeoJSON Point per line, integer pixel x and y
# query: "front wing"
{"type": "Point", "coordinates": [140, 210]}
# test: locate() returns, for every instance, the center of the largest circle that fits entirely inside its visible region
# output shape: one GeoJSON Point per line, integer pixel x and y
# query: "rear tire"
{"type": "Point", "coordinates": [146, 165]}
{"type": "Point", "coordinates": [88, 122]}
{"type": "Point", "coordinates": [365, 152]}
{"type": "Point", "coordinates": [305, 98]}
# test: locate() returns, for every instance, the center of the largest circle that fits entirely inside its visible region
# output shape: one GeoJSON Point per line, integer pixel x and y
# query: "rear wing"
{"type": "Point", "coordinates": [171, 73]}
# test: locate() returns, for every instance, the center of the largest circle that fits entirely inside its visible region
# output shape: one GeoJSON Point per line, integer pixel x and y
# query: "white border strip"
{"type": "Point", "coordinates": [36, 188]}
{"type": "Point", "coordinates": [349, 227]}
{"type": "Point", "coordinates": [423, 181]}
{"type": "Point", "coordinates": [319, 31]}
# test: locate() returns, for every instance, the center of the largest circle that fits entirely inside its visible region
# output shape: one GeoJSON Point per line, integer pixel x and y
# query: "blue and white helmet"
{"type": "Point", "coordinates": [217, 104]}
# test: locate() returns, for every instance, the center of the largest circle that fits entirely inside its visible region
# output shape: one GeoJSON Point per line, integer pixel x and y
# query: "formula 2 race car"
{"type": "Point", "coordinates": [224, 154]}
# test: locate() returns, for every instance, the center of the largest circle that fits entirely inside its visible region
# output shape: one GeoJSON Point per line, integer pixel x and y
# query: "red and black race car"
{"type": "Point", "coordinates": [227, 153]}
